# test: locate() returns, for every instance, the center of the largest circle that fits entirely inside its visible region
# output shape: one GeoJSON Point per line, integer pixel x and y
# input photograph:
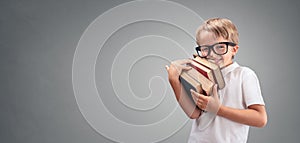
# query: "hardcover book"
{"type": "Point", "coordinates": [217, 74]}
{"type": "Point", "coordinates": [189, 83]}
{"type": "Point", "coordinates": [205, 83]}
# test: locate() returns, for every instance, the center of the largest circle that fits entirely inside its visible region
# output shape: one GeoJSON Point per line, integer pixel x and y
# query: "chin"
{"type": "Point", "coordinates": [220, 64]}
{"type": "Point", "coordinates": [224, 65]}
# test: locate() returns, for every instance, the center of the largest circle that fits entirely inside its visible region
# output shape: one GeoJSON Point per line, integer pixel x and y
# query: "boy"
{"type": "Point", "coordinates": [238, 105]}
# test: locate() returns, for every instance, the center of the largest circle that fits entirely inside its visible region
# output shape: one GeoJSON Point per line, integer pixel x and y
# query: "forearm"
{"type": "Point", "coordinates": [253, 116]}
{"type": "Point", "coordinates": [184, 101]}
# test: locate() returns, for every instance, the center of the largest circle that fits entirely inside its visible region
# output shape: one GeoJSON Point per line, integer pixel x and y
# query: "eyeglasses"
{"type": "Point", "coordinates": [220, 48]}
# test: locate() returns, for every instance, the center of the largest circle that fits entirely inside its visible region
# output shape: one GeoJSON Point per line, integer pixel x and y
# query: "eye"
{"type": "Point", "coordinates": [204, 49]}
{"type": "Point", "coordinates": [220, 46]}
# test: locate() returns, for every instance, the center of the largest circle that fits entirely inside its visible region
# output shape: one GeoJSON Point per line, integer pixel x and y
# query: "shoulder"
{"type": "Point", "coordinates": [237, 71]}
{"type": "Point", "coordinates": [244, 70]}
{"type": "Point", "coordinates": [246, 73]}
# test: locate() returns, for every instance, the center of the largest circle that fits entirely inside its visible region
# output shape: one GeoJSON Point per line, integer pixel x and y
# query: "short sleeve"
{"type": "Point", "coordinates": [251, 88]}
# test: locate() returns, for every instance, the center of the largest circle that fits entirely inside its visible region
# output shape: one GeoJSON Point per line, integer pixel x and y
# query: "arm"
{"type": "Point", "coordinates": [254, 115]}
{"type": "Point", "coordinates": [184, 101]}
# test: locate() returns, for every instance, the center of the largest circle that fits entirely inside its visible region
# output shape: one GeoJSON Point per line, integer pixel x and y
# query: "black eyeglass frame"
{"type": "Point", "coordinates": [211, 47]}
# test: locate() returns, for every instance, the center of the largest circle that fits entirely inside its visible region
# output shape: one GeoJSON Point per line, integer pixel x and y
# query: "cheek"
{"type": "Point", "coordinates": [227, 58]}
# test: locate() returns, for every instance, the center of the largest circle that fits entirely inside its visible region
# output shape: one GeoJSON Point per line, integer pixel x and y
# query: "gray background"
{"type": "Point", "coordinates": [38, 40]}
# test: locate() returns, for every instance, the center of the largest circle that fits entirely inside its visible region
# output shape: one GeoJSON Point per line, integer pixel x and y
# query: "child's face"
{"type": "Point", "coordinates": [208, 38]}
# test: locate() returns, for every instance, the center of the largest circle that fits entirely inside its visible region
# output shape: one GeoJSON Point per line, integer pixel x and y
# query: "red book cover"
{"type": "Point", "coordinates": [201, 64]}
{"type": "Point", "coordinates": [198, 69]}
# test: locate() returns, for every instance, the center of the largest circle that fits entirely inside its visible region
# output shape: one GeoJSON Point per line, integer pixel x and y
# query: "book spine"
{"type": "Point", "coordinates": [205, 83]}
{"type": "Point", "coordinates": [199, 70]}
{"type": "Point", "coordinates": [218, 77]}
{"type": "Point", "coordinates": [188, 82]}
{"type": "Point", "coordinates": [187, 86]}
{"type": "Point", "coordinates": [201, 64]}
{"type": "Point", "coordinates": [208, 73]}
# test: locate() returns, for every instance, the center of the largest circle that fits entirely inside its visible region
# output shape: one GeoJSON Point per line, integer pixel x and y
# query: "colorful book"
{"type": "Point", "coordinates": [203, 70]}
{"type": "Point", "coordinates": [206, 84]}
{"type": "Point", "coordinates": [189, 83]}
{"type": "Point", "coordinates": [217, 76]}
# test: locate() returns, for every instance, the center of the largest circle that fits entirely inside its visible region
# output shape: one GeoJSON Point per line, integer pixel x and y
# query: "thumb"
{"type": "Point", "coordinates": [215, 90]}
{"type": "Point", "coordinates": [167, 67]}
{"type": "Point", "coordinates": [193, 92]}
{"type": "Point", "coordinates": [194, 95]}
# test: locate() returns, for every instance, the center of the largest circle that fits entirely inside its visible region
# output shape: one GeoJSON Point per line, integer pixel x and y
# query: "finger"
{"type": "Point", "coordinates": [186, 67]}
{"type": "Point", "coordinates": [181, 62]}
{"type": "Point", "coordinates": [198, 95]}
{"type": "Point", "coordinates": [194, 93]}
{"type": "Point", "coordinates": [185, 61]}
{"type": "Point", "coordinates": [199, 98]}
{"type": "Point", "coordinates": [194, 96]}
{"type": "Point", "coordinates": [215, 90]}
{"type": "Point", "coordinates": [204, 106]}
{"type": "Point", "coordinates": [167, 67]}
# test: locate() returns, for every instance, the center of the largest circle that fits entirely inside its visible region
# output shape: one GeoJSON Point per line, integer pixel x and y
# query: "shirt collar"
{"type": "Point", "coordinates": [229, 68]}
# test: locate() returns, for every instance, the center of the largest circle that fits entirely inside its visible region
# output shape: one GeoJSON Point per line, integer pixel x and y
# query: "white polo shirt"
{"type": "Point", "coordinates": [241, 90]}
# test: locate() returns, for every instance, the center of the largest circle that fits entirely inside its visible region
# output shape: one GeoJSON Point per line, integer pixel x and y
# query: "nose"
{"type": "Point", "coordinates": [211, 54]}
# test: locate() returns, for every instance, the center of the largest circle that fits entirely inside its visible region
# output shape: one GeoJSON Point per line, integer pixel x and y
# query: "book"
{"type": "Point", "coordinates": [189, 83]}
{"type": "Point", "coordinates": [206, 84]}
{"type": "Point", "coordinates": [203, 70]}
{"type": "Point", "coordinates": [217, 74]}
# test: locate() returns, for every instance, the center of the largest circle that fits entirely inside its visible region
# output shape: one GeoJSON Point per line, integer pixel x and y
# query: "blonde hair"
{"type": "Point", "coordinates": [221, 27]}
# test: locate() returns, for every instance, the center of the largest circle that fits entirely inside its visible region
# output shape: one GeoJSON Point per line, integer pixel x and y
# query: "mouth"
{"type": "Point", "coordinates": [216, 61]}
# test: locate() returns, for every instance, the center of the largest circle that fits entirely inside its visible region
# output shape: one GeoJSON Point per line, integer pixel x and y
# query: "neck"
{"type": "Point", "coordinates": [226, 65]}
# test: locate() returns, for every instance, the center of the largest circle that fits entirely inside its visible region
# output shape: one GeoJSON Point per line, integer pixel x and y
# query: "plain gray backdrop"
{"type": "Point", "coordinates": [38, 39]}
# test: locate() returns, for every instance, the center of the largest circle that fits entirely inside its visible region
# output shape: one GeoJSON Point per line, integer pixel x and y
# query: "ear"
{"type": "Point", "coordinates": [235, 49]}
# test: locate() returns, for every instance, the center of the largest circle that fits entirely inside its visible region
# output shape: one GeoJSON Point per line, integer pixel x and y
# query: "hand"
{"type": "Point", "coordinates": [207, 103]}
{"type": "Point", "coordinates": [177, 67]}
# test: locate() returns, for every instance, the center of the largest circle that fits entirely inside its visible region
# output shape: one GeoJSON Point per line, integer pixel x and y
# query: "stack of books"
{"type": "Point", "coordinates": [201, 77]}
